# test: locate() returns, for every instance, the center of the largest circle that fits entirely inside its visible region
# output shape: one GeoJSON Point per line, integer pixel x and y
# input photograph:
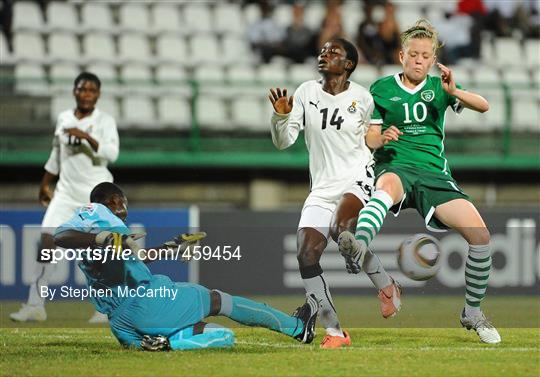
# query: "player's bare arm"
{"type": "Point", "coordinates": [376, 139]}
{"type": "Point", "coordinates": [45, 192]}
{"type": "Point", "coordinates": [76, 132]}
{"type": "Point", "coordinates": [470, 100]}
{"type": "Point", "coordinates": [278, 98]}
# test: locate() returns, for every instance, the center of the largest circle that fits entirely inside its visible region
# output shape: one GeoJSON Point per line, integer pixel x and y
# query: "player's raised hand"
{"type": "Point", "coordinates": [282, 104]}
{"type": "Point", "coordinates": [391, 134]}
{"type": "Point", "coordinates": [76, 132]}
{"type": "Point", "coordinates": [45, 195]}
{"type": "Point", "coordinates": [448, 83]}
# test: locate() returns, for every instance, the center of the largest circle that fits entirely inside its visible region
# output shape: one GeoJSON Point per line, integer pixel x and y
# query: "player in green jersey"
{"type": "Point", "coordinates": [411, 168]}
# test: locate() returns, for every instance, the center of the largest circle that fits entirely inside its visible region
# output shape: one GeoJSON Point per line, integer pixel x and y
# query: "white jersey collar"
{"type": "Point", "coordinates": [409, 90]}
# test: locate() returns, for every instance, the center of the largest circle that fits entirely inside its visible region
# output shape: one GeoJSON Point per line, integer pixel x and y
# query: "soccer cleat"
{"type": "Point", "coordinates": [352, 251]}
{"type": "Point", "coordinates": [390, 298]}
{"type": "Point", "coordinates": [155, 343]}
{"type": "Point", "coordinates": [29, 313]}
{"type": "Point", "coordinates": [98, 318]}
{"type": "Point", "coordinates": [480, 324]}
{"type": "Point", "coordinates": [330, 341]}
{"type": "Point", "coordinates": [307, 313]}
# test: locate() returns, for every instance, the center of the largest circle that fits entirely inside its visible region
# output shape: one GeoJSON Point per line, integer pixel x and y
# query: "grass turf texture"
{"type": "Point", "coordinates": [423, 340]}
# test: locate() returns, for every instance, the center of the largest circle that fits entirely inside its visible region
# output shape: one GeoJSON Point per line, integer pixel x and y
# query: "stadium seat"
{"type": "Point", "coordinates": [495, 118]}
{"type": "Point", "coordinates": [174, 112]}
{"type": "Point", "coordinates": [236, 50]}
{"type": "Point", "coordinates": [59, 103]}
{"type": "Point", "coordinates": [209, 72]}
{"type": "Point", "coordinates": [390, 70]}
{"type": "Point", "coordinates": [63, 47]}
{"type": "Point", "coordinates": [273, 74]}
{"type": "Point", "coordinates": [298, 73]}
{"type": "Point", "coordinates": [247, 114]}
{"type": "Point", "coordinates": [6, 57]}
{"type": "Point", "coordinates": [352, 15]}
{"type": "Point", "coordinates": [109, 105]}
{"type": "Point", "coordinates": [172, 49]}
{"type": "Point", "coordinates": [97, 16]}
{"type": "Point", "coordinates": [108, 76]}
{"type": "Point", "coordinates": [138, 112]}
{"type": "Point", "coordinates": [212, 114]}
{"type": "Point", "coordinates": [172, 79]}
{"type": "Point", "coordinates": [134, 17]}
{"type": "Point", "coordinates": [283, 15]}
{"type": "Point", "coordinates": [27, 16]}
{"type": "Point", "coordinates": [228, 18]}
{"type": "Point", "coordinates": [467, 120]}
{"type": "Point", "coordinates": [136, 78]}
{"type": "Point", "coordinates": [461, 74]}
{"type": "Point", "coordinates": [532, 53]}
{"type": "Point", "coordinates": [314, 14]}
{"type": "Point", "coordinates": [62, 76]}
{"type": "Point", "coordinates": [517, 76]}
{"type": "Point", "coordinates": [487, 51]}
{"type": "Point", "coordinates": [62, 16]}
{"type": "Point", "coordinates": [197, 17]}
{"type": "Point", "coordinates": [98, 47]}
{"type": "Point", "coordinates": [365, 75]}
{"type": "Point", "coordinates": [29, 47]}
{"type": "Point", "coordinates": [406, 16]}
{"type": "Point", "coordinates": [205, 49]}
{"type": "Point", "coordinates": [526, 112]}
{"type": "Point", "coordinates": [509, 51]}
{"type": "Point", "coordinates": [165, 18]}
{"type": "Point", "coordinates": [241, 73]}
{"type": "Point", "coordinates": [486, 75]}
{"type": "Point", "coordinates": [252, 13]}
{"type": "Point", "coordinates": [134, 48]}
{"type": "Point", "coordinates": [31, 79]}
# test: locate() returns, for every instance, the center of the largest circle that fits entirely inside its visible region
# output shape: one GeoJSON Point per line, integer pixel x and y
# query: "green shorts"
{"type": "Point", "coordinates": [424, 191]}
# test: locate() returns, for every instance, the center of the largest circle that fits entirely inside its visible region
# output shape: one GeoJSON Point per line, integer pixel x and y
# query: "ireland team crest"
{"type": "Point", "coordinates": [427, 95]}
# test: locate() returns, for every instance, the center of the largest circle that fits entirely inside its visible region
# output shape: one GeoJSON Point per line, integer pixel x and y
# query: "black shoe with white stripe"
{"type": "Point", "coordinates": [307, 313]}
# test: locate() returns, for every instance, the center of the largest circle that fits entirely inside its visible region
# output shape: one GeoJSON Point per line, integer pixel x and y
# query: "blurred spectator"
{"type": "Point", "coordinates": [6, 18]}
{"type": "Point", "coordinates": [378, 34]}
{"type": "Point", "coordinates": [478, 12]}
{"type": "Point", "coordinates": [527, 18]}
{"type": "Point", "coordinates": [500, 16]}
{"type": "Point", "coordinates": [331, 26]}
{"type": "Point", "coordinates": [265, 35]}
{"type": "Point", "coordinates": [455, 34]}
{"type": "Point", "coordinates": [299, 42]}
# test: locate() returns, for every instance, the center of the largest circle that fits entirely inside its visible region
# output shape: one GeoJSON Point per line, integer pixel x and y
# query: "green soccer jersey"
{"type": "Point", "coordinates": [419, 114]}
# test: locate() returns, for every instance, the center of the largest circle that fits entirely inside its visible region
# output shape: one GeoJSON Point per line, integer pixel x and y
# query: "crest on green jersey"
{"type": "Point", "coordinates": [427, 95]}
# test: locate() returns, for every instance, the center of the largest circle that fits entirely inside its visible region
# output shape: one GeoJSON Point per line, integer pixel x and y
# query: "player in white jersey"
{"type": "Point", "coordinates": [85, 141]}
{"type": "Point", "coordinates": [334, 114]}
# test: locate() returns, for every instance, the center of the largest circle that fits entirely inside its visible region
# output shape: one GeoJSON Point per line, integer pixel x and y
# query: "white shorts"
{"type": "Point", "coordinates": [320, 205]}
{"type": "Point", "coordinates": [60, 209]}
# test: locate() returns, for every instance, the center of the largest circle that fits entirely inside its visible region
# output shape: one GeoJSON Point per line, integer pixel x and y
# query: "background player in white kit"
{"type": "Point", "coordinates": [334, 114]}
{"type": "Point", "coordinates": [85, 141]}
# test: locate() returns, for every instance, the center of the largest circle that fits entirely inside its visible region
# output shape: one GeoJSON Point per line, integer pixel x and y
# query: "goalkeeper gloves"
{"type": "Point", "coordinates": [182, 242]}
{"type": "Point", "coordinates": [118, 241]}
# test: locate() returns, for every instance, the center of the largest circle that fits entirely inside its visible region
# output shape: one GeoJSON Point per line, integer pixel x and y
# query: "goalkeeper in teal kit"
{"type": "Point", "coordinates": [160, 321]}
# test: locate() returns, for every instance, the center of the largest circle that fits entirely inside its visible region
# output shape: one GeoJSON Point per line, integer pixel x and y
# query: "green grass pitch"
{"type": "Point", "coordinates": [425, 339]}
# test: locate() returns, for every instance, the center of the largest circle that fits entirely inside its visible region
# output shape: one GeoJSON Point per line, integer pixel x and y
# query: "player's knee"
{"type": "Point", "coordinates": [309, 254]}
{"type": "Point", "coordinates": [482, 236]}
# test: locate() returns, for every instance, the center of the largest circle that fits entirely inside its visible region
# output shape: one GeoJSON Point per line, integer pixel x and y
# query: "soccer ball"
{"type": "Point", "coordinates": [419, 257]}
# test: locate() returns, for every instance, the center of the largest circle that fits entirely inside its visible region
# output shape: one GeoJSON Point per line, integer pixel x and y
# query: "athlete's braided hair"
{"type": "Point", "coordinates": [421, 29]}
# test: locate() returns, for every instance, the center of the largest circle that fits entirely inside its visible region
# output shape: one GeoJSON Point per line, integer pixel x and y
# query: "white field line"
{"type": "Point", "coordinates": [386, 348]}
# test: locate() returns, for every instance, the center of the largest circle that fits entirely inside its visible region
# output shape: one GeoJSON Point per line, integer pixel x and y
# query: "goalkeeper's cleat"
{"type": "Point", "coordinates": [155, 343]}
{"type": "Point", "coordinates": [29, 313]}
{"type": "Point", "coordinates": [98, 318]}
{"type": "Point", "coordinates": [390, 298]}
{"type": "Point", "coordinates": [352, 251]}
{"type": "Point", "coordinates": [480, 324]}
{"type": "Point", "coordinates": [307, 313]}
{"type": "Point", "coordinates": [330, 342]}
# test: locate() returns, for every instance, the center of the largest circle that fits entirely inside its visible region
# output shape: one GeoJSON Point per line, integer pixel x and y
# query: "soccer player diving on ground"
{"type": "Point", "coordinates": [162, 323]}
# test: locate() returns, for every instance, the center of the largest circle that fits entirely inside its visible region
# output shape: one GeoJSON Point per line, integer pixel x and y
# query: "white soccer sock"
{"type": "Point", "coordinates": [476, 277]}
{"type": "Point", "coordinates": [371, 217]}
{"type": "Point", "coordinates": [315, 283]}
{"type": "Point", "coordinates": [42, 273]}
{"type": "Point", "coordinates": [375, 271]}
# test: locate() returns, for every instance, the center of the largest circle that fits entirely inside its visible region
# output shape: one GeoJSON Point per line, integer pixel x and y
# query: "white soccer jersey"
{"type": "Point", "coordinates": [80, 167]}
{"type": "Point", "coordinates": [334, 128]}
